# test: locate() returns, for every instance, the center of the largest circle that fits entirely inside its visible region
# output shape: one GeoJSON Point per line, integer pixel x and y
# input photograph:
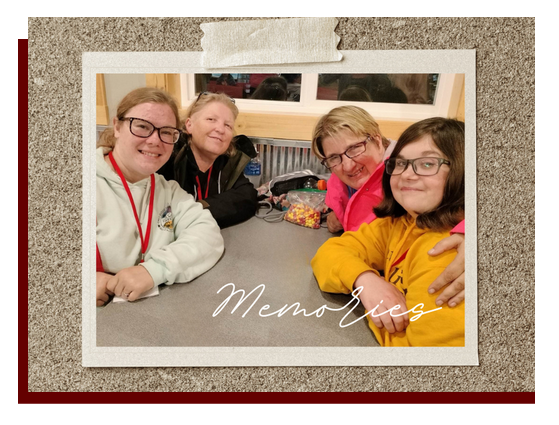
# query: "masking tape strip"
{"type": "Point", "coordinates": [270, 41]}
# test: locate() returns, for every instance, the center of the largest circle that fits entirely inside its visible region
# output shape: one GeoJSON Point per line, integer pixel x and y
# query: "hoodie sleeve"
{"type": "Point", "coordinates": [234, 205]}
{"type": "Point", "coordinates": [197, 247]}
{"type": "Point", "coordinates": [340, 260]}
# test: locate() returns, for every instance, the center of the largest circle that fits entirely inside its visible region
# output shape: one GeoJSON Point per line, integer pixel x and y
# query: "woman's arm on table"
{"type": "Point", "coordinates": [380, 296]}
{"type": "Point", "coordinates": [234, 205]}
{"type": "Point", "coordinates": [197, 247]}
{"type": "Point", "coordinates": [352, 260]}
{"type": "Point", "coordinates": [334, 225]}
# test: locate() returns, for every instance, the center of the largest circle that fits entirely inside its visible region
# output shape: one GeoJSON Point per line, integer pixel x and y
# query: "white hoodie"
{"type": "Point", "coordinates": [185, 240]}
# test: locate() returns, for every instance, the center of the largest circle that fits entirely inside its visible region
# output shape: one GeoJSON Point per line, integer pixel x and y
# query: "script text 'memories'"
{"type": "Point", "coordinates": [318, 312]}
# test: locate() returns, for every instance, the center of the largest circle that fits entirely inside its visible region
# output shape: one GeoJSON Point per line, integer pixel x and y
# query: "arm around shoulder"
{"type": "Point", "coordinates": [442, 326]}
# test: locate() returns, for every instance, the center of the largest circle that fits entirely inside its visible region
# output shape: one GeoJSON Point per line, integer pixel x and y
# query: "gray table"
{"type": "Point", "coordinates": [277, 255]}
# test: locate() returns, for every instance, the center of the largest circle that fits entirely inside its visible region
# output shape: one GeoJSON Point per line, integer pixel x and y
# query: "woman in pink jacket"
{"type": "Point", "coordinates": [349, 143]}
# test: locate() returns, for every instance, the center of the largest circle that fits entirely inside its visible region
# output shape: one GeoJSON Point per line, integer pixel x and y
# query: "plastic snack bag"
{"type": "Point", "coordinates": [306, 207]}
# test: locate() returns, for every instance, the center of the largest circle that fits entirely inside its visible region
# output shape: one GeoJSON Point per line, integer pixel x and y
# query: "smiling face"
{"type": "Point", "coordinates": [355, 171]}
{"type": "Point", "coordinates": [419, 194]}
{"type": "Point", "coordinates": [137, 157]}
{"type": "Point", "coordinates": [211, 129]}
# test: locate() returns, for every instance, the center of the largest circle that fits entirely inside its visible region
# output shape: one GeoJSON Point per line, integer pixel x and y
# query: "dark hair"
{"type": "Point", "coordinates": [355, 93]}
{"type": "Point", "coordinates": [448, 136]}
{"type": "Point", "coordinates": [272, 88]}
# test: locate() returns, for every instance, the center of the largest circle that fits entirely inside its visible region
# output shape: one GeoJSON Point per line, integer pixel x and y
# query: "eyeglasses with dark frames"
{"type": "Point", "coordinates": [426, 166]}
{"type": "Point", "coordinates": [351, 152]}
{"type": "Point", "coordinates": [142, 128]}
{"type": "Point", "coordinates": [209, 92]}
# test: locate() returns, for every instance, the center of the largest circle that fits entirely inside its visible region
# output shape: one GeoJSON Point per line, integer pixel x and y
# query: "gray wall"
{"type": "Point", "coordinates": [119, 85]}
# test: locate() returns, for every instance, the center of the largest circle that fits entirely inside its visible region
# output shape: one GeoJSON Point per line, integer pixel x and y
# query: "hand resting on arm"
{"type": "Point", "coordinates": [375, 290]}
{"type": "Point", "coordinates": [103, 293]}
{"type": "Point", "coordinates": [130, 282]}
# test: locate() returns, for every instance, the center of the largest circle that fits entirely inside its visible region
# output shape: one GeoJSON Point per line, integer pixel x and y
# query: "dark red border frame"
{"type": "Point", "coordinates": [25, 397]}
{"type": "Point", "coordinates": [275, 398]}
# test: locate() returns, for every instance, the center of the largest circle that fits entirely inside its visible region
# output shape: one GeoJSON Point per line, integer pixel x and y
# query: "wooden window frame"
{"type": "Point", "coordinates": [296, 120]}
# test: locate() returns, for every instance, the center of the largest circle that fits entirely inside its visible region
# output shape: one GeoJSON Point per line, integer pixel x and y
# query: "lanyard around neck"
{"type": "Point", "coordinates": [207, 185]}
{"type": "Point", "coordinates": [143, 241]}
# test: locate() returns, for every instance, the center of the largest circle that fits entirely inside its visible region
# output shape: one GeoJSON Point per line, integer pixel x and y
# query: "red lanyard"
{"type": "Point", "coordinates": [99, 263]}
{"type": "Point", "coordinates": [207, 186]}
{"type": "Point", "coordinates": [145, 241]}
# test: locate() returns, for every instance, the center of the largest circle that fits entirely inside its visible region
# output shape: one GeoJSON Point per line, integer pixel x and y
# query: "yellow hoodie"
{"type": "Point", "coordinates": [377, 246]}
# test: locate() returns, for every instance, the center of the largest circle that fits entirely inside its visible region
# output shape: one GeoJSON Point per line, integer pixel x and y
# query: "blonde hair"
{"type": "Point", "coordinates": [350, 118]}
{"type": "Point", "coordinates": [134, 98]}
{"type": "Point", "coordinates": [201, 102]}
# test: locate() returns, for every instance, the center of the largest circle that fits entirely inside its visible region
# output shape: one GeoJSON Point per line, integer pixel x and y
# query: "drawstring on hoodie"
{"type": "Point", "coordinates": [198, 186]}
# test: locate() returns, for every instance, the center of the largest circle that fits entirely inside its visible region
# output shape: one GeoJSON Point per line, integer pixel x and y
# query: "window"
{"type": "Point", "coordinates": [279, 87]}
{"type": "Point", "coordinates": [383, 88]}
{"type": "Point", "coordinates": [309, 97]}
{"type": "Point", "coordinates": [399, 97]}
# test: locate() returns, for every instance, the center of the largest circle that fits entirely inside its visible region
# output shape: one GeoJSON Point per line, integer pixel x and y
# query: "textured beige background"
{"type": "Point", "coordinates": [506, 206]}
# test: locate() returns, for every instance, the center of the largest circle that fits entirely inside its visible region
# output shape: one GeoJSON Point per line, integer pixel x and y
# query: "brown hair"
{"type": "Point", "coordinates": [203, 100]}
{"type": "Point", "coordinates": [351, 118]}
{"type": "Point", "coordinates": [134, 98]}
{"type": "Point", "coordinates": [448, 136]}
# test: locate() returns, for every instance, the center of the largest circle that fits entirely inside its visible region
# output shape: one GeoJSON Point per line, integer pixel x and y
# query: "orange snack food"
{"type": "Point", "coordinates": [303, 215]}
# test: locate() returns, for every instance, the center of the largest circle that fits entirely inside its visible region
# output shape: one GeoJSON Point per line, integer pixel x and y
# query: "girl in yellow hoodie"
{"type": "Point", "coordinates": [423, 186]}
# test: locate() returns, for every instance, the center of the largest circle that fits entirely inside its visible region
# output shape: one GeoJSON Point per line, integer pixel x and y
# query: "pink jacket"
{"type": "Point", "coordinates": [460, 228]}
{"type": "Point", "coordinates": [353, 212]}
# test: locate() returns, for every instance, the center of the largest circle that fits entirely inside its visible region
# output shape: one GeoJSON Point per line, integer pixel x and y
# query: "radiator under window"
{"type": "Point", "coordinates": [285, 156]}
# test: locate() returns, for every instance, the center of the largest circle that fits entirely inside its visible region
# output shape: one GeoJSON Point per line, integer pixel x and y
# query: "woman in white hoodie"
{"type": "Point", "coordinates": [149, 230]}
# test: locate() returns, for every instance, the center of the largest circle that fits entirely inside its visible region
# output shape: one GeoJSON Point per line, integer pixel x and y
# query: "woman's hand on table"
{"type": "Point", "coordinates": [131, 282]}
{"type": "Point", "coordinates": [375, 290]}
{"type": "Point", "coordinates": [102, 292]}
{"type": "Point", "coordinates": [453, 275]}
{"type": "Point", "coordinates": [334, 225]}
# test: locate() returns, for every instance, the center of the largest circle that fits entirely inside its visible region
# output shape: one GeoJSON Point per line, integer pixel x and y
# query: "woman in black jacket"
{"type": "Point", "coordinates": [210, 163]}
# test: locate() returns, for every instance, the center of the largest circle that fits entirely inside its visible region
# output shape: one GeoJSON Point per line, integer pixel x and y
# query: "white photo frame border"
{"type": "Point", "coordinates": [389, 61]}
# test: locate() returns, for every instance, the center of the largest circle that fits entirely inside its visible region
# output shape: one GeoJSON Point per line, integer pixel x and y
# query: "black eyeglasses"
{"type": "Point", "coordinates": [144, 129]}
{"type": "Point", "coordinates": [351, 152]}
{"type": "Point", "coordinates": [426, 166]}
{"type": "Point", "coordinates": [209, 92]}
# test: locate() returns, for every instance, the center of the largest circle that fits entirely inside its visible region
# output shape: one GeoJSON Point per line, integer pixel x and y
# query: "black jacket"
{"type": "Point", "coordinates": [231, 197]}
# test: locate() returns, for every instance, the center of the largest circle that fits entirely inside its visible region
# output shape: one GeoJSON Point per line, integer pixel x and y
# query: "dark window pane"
{"type": "Point", "coordinates": [387, 88]}
{"type": "Point", "coordinates": [279, 87]}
